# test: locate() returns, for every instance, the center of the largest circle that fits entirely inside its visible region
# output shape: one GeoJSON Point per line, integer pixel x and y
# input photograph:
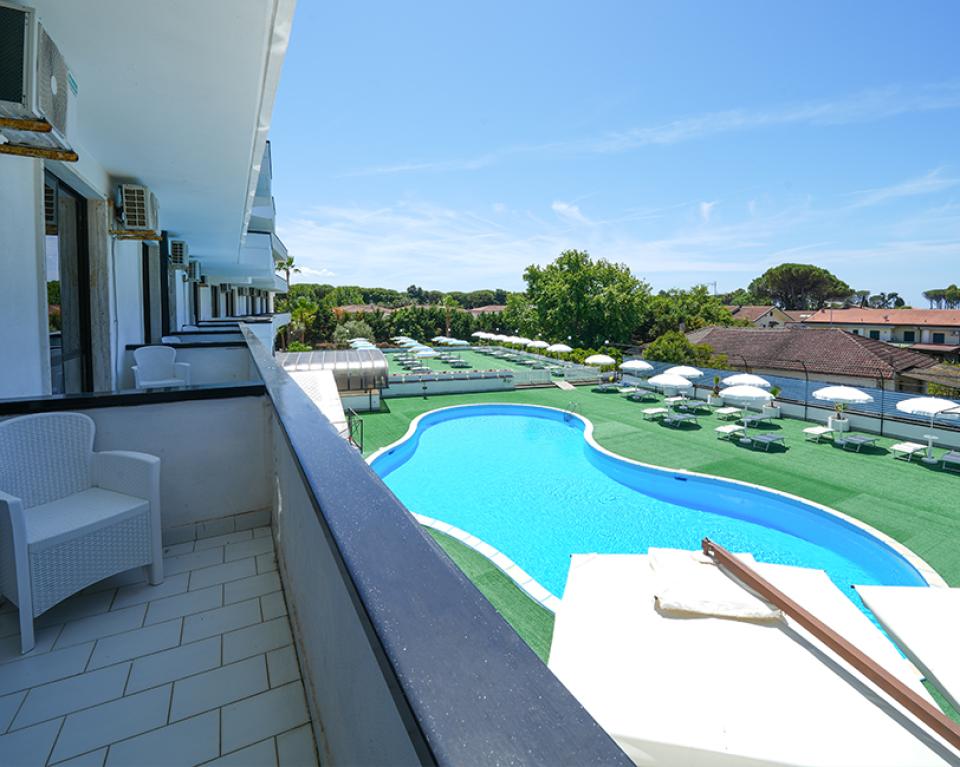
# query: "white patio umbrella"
{"type": "Point", "coordinates": [684, 370]}
{"type": "Point", "coordinates": [636, 366]}
{"type": "Point", "coordinates": [846, 395]}
{"type": "Point", "coordinates": [400, 338]}
{"type": "Point", "coordinates": [746, 379]}
{"type": "Point", "coordinates": [670, 381]}
{"type": "Point", "coordinates": [359, 339]}
{"type": "Point", "coordinates": [457, 342]}
{"type": "Point", "coordinates": [426, 353]}
{"type": "Point", "coordinates": [438, 339]}
{"type": "Point", "coordinates": [559, 349]}
{"type": "Point", "coordinates": [599, 360]}
{"type": "Point", "coordinates": [537, 344]}
{"type": "Point", "coordinates": [478, 334]}
{"type": "Point", "coordinates": [745, 396]}
{"type": "Point", "coordinates": [409, 342]}
{"type": "Point", "coordinates": [928, 406]}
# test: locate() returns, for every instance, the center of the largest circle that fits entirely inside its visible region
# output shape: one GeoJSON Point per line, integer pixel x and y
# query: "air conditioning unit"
{"type": "Point", "coordinates": [179, 253]}
{"type": "Point", "coordinates": [139, 211]}
{"type": "Point", "coordinates": [224, 286]}
{"type": "Point", "coordinates": [35, 82]}
{"type": "Point", "coordinates": [193, 271]}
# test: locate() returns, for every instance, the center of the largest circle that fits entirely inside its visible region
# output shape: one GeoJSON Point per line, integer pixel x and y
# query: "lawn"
{"type": "Point", "coordinates": [916, 505]}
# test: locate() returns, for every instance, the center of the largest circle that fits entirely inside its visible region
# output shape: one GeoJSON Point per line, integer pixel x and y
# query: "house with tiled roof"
{"type": "Point", "coordinates": [761, 316]}
{"type": "Point", "coordinates": [823, 354]}
{"type": "Point", "coordinates": [931, 331]}
{"type": "Point", "coordinates": [489, 309]}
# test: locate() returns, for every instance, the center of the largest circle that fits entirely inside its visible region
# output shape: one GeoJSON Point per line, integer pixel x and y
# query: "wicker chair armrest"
{"type": "Point", "coordinates": [13, 548]}
{"type": "Point", "coordinates": [182, 371]}
{"type": "Point", "coordinates": [124, 471]}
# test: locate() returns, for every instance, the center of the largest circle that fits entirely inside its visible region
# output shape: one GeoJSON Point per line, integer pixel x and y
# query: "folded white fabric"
{"type": "Point", "coordinates": [689, 583]}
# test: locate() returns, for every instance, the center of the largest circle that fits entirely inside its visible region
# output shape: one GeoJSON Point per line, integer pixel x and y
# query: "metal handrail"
{"type": "Point", "coordinates": [355, 429]}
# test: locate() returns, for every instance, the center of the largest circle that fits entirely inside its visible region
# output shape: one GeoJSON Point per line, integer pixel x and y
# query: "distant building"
{"type": "Point", "coordinates": [490, 309]}
{"type": "Point", "coordinates": [823, 354]}
{"type": "Point", "coordinates": [761, 316]}
{"type": "Point", "coordinates": [931, 331]}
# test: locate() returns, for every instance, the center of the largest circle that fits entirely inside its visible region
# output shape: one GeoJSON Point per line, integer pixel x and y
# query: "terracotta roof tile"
{"type": "Point", "coordinates": [930, 317]}
{"type": "Point", "coordinates": [828, 350]}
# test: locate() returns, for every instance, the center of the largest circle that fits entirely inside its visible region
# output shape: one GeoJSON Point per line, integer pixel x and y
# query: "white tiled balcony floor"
{"type": "Point", "coordinates": [198, 670]}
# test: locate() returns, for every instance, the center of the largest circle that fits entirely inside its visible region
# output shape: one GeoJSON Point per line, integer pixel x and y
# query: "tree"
{"type": "Point", "coordinates": [449, 304]}
{"type": "Point", "coordinates": [943, 298]}
{"type": "Point", "coordinates": [739, 297]}
{"type": "Point", "coordinates": [520, 316]}
{"type": "Point", "coordinates": [684, 310]}
{"type": "Point", "coordinates": [351, 329]}
{"type": "Point", "coordinates": [590, 302]}
{"type": "Point", "coordinates": [885, 301]}
{"type": "Point", "coordinates": [287, 266]}
{"type": "Point", "coordinates": [676, 348]}
{"type": "Point", "coordinates": [302, 314]}
{"type": "Point", "coordinates": [799, 286]}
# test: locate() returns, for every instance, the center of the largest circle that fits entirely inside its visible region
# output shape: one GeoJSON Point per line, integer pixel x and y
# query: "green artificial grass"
{"type": "Point", "coordinates": [532, 621]}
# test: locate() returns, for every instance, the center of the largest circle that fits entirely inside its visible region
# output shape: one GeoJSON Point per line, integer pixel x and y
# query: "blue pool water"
{"type": "Point", "coordinates": [525, 480]}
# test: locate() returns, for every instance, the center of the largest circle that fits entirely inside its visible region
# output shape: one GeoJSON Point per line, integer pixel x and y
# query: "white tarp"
{"type": "Point", "coordinates": [701, 691]}
{"type": "Point", "coordinates": [925, 622]}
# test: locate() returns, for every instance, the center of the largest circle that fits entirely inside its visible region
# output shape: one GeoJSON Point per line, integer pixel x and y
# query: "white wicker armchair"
{"type": "Point", "coordinates": [157, 367]}
{"type": "Point", "coordinates": [70, 517]}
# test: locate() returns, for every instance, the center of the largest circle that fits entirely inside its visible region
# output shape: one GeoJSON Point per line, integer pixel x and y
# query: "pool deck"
{"type": "Point", "coordinates": [912, 503]}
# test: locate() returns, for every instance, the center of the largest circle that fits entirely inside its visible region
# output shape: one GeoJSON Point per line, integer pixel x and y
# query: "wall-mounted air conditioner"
{"type": "Point", "coordinates": [193, 271]}
{"type": "Point", "coordinates": [224, 287]}
{"type": "Point", "coordinates": [139, 210]}
{"type": "Point", "coordinates": [179, 253]}
{"type": "Point", "coordinates": [36, 87]}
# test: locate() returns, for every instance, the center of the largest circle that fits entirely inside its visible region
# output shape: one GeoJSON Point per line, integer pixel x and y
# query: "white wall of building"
{"type": "Point", "coordinates": [24, 343]}
{"type": "Point", "coordinates": [127, 311]}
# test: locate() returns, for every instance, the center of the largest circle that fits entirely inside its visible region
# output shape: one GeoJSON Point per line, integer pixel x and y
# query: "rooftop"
{"type": "Point", "coordinates": [926, 317]}
{"type": "Point", "coordinates": [826, 351]}
{"type": "Point", "coordinates": [752, 313]}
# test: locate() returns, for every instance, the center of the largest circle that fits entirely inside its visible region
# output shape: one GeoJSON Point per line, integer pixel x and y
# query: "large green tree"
{"type": "Point", "coordinates": [351, 329]}
{"type": "Point", "coordinates": [676, 348]}
{"type": "Point", "coordinates": [799, 286]}
{"type": "Point", "coordinates": [590, 302]}
{"type": "Point", "coordinates": [684, 310]}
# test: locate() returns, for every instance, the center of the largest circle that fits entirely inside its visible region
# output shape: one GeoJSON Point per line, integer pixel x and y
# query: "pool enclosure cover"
{"type": "Point", "coordinates": [353, 369]}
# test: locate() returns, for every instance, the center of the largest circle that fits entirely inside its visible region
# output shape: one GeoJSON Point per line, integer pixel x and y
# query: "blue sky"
{"type": "Point", "coordinates": [452, 144]}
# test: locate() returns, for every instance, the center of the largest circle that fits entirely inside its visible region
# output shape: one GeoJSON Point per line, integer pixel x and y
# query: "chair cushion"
{"type": "Point", "coordinates": [85, 512]}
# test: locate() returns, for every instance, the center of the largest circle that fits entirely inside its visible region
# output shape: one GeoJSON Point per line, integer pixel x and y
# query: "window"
{"type": "Point", "coordinates": [68, 288]}
{"type": "Point", "coordinates": [855, 332]}
{"type": "Point", "coordinates": [939, 338]}
{"type": "Point", "coordinates": [875, 335]}
{"type": "Point", "coordinates": [909, 336]}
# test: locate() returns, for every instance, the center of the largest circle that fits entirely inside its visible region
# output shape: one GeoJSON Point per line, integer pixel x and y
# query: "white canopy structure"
{"type": "Point", "coordinates": [712, 691]}
{"type": "Point", "coordinates": [670, 381]}
{"type": "Point", "coordinates": [599, 360]}
{"type": "Point", "coordinates": [929, 406]}
{"type": "Point", "coordinates": [425, 353]}
{"type": "Point", "coordinates": [684, 370]}
{"type": "Point", "coordinates": [636, 366]}
{"type": "Point", "coordinates": [746, 395]}
{"type": "Point", "coordinates": [746, 379]}
{"type": "Point", "coordinates": [537, 345]}
{"type": "Point", "coordinates": [438, 339]}
{"type": "Point", "coordinates": [845, 395]}
{"type": "Point", "coordinates": [479, 334]}
{"type": "Point", "coordinates": [560, 348]}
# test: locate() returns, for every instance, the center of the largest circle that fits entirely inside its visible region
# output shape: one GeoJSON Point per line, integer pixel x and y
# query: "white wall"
{"type": "Point", "coordinates": [182, 295]}
{"type": "Point", "coordinates": [206, 305]}
{"type": "Point", "coordinates": [127, 309]}
{"type": "Point", "coordinates": [24, 343]}
{"type": "Point", "coordinates": [217, 365]}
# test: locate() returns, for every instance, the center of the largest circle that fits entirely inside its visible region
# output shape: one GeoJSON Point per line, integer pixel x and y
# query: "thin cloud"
{"type": "Point", "coordinates": [706, 210]}
{"type": "Point", "coordinates": [864, 106]}
{"type": "Point", "coordinates": [569, 211]}
{"type": "Point", "coordinates": [929, 183]}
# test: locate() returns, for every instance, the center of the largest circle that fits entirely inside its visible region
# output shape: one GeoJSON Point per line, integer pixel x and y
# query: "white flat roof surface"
{"type": "Point", "coordinates": [321, 387]}
{"type": "Point", "coordinates": [925, 622]}
{"type": "Point", "coordinates": [713, 691]}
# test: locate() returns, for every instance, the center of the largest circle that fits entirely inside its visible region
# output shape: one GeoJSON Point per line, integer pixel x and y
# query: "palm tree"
{"type": "Point", "coordinates": [302, 315]}
{"type": "Point", "coordinates": [288, 267]}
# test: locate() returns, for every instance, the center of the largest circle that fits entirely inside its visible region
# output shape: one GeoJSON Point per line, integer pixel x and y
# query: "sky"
{"type": "Point", "coordinates": [451, 144]}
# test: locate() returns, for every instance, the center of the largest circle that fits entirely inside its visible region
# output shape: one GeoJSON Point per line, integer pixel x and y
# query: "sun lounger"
{"type": "Point", "coordinates": [728, 412]}
{"type": "Point", "coordinates": [816, 433]}
{"type": "Point", "coordinates": [749, 420]}
{"type": "Point", "coordinates": [678, 419]}
{"type": "Point", "coordinates": [641, 395]}
{"type": "Point", "coordinates": [728, 431]}
{"type": "Point", "coordinates": [951, 459]}
{"type": "Point", "coordinates": [856, 440]}
{"type": "Point", "coordinates": [675, 401]}
{"type": "Point", "coordinates": [606, 388]}
{"type": "Point", "coordinates": [906, 450]}
{"type": "Point", "coordinates": [766, 440]}
{"type": "Point", "coordinates": [652, 413]}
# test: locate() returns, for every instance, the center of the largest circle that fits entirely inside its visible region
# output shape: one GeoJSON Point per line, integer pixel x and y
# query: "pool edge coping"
{"type": "Point", "coordinates": [929, 574]}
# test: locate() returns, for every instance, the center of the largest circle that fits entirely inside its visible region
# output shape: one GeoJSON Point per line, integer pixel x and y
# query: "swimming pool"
{"type": "Point", "coordinates": [524, 479]}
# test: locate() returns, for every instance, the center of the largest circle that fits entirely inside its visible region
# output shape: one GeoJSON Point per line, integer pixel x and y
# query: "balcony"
{"type": "Point", "coordinates": [303, 608]}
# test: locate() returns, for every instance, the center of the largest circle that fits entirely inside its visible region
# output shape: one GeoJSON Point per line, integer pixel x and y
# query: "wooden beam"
{"type": "Point", "coordinates": [926, 712]}
{"type": "Point", "coordinates": [31, 125]}
{"type": "Point", "coordinates": [134, 234]}
{"type": "Point", "coordinates": [44, 153]}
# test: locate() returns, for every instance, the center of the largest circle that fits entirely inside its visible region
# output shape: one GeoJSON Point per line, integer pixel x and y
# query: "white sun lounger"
{"type": "Point", "coordinates": [951, 459]}
{"type": "Point", "coordinates": [923, 621]}
{"type": "Point", "coordinates": [766, 440]}
{"type": "Point", "coordinates": [856, 440]}
{"type": "Point", "coordinates": [728, 412]}
{"type": "Point", "coordinates": [906, 450]}
{"type": "Point", "coordinates": [678, 419]}
{"type": "Point", "coordinates": [719, 691]}
{"type": "Point", "coordinates": [653, 413]}
{"type": "Point", "coordinates": [816, 433]}
{"type": "Point", "coordinates": [728, 431]}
